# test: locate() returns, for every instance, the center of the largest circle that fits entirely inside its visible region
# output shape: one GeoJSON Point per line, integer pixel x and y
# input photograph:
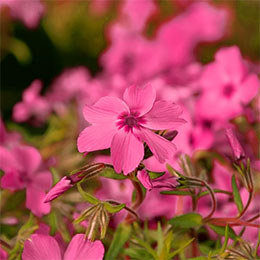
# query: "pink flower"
{"type": "Point", "coordinates": [29, 12]}
{"type": "Point", "coordinates": [124, 125]}
{"type": "Point", "coordinates": [40, 247]}
{"type": "Point", "coordinates": [227, 84]}
{"type": "Point", "coordinates": [33, 105]}
{"type": "Point", "coordinates": [22, 170]}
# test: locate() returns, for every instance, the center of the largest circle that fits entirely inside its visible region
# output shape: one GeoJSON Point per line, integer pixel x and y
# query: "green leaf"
{"type": "Point", "coordinates": [149, 249]}
{"type": "Point", "coordinates": [221, 231]}
{"type": "Point", "coordinates": [137, 253]}
{"type": "Point", "coordinates": [154, 175]}
{"type": "Point", "coordinates": [189, 220]}
{"type": "Point", "coordinates": [88, 197]}
{"type": "Point", "coordinates": [176, 192]}
{"type": "Point", "coordinates": [113, 208]}
{"type": "Point", "coordinates": [53, 222]}
{"type": "Point", "coordinates": [224, 246]}
{"type": "Point", "coordinates": [111, 174]}
{"type": "Point", "coordinates": [121, 236]}
{"type": "Point", "coordinates": [179, 250]}
{"type": "Point", "coordinates": [236, 194]}
{"type": "Point", "coordinates": [160, 238]}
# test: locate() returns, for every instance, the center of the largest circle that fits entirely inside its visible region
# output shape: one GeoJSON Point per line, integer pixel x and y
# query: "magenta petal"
{"type": "Point", "coordinates": [12, 181]}
{"type": "Point", "coordinates": [163, 115]}
{"type": "Point", "coordinates": [95, 138]}
{"type": "Point", "coordinates": [160, 147]}
{"type": "Point", "coordinates": [27, 157]}
{"type": "Point", "coordinates": [63, 185]}
{"type": "Point", "coordinates": [140, 99]}
{"type": "Point", "coordinates": [41, 247]}
{"type": "Point", "coordinates": [34, 202]}
{"type": "Point", "coordinates": [249, 88]}
{"type": "Point", "coordinates": [7, 160]}
{"type": "Point", "coordinates": [144, 178]}
{"type": "Point", "coordinates": [127, 151]}
{"type": "Point", "coordinates": [231, 62]}
{"type": "Point", "coordinates": [105, 110]}
{"type": "Point", "coordinates": [83, 249]}
{"type": "Point", "coordinates": [42, 180]}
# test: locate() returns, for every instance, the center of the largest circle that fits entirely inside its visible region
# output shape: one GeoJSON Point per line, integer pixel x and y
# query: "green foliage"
{"type": "Point", "coordinates": [236, 194]}
{"type": "Point", "coordinates": [121, 236]}
{"type": "Point", "coordinates": [87, 196]}
{"type": "Point", "coordinates": [189, 220]}
{"type": "Point", "coordinates": [113, 208]}
{"type": "Point", "coordinates": [222, 231]}
{"type": "Point", "coordinates": [111, 174]}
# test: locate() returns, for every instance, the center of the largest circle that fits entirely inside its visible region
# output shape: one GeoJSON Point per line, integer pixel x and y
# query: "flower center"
{"type": "Point", "coordinates": [228, 90]}
{"type": "Point", "coordinates": [131, 121]}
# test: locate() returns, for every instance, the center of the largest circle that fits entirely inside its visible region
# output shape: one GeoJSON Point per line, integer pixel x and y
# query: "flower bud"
{"type": "Point", "coordinates": [68, 181]}
{"type": "Point", "coordinates": [237, 149]}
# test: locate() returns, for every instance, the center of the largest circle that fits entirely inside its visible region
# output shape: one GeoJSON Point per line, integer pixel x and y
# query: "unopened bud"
{"type": "Point", "coordinates": [236, 147]}
{"type": "Point", "coordinates": [68, 181]}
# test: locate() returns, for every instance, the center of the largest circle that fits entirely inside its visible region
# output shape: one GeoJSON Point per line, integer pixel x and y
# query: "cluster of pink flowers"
{"type": "Point", "coordinates": [152, 103]}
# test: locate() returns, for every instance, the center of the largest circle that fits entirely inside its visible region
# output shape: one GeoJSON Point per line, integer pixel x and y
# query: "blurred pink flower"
{"type": "Point", "coordinates": [29, 12]}
{"type": "Point", "coordinates": [3, 254]}
{"type": "Point", "coordinates": [22, 170]}
{"type": "Point", "coordinates": [8, 139]}
{"type": "Point", "coordinates": [46, 247]}
{"type": "Point", "coordinates": [227, 84]}
{"type": "Point", "coordinates": [123, 125]}
{"type": "Point", "coordinates": [33, 105]}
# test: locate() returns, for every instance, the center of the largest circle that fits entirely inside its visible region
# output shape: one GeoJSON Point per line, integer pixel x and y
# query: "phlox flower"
{"type": "Point", "coordinates": [29, 12]}
{"type": "Point", "coordinates": [123, 125]}
{"type": "Point", "coordinates": [32, 105]}
{"type": "Point", "coordinates": [227, 84]}
{"type": "Point", "coordinates": [40, 247]}
{"type": "Point", "coordinates": [22, 169]}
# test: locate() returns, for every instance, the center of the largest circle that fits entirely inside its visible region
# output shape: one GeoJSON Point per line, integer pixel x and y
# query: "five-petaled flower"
{"type": "Point", "coordinates": [125, 124]}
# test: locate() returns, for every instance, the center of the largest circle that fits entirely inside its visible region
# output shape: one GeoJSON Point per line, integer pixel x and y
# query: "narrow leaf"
{"type": "Point", "coordinates": [88, 197]}
{"type": "Point", "coordinates": [221, 231]}
{"type": "Point", "coordinates": [111, 174]}
{"type": "Point", "coordinates": [236, 194]}
{"type": "Point", "coordinates": [114, 208]}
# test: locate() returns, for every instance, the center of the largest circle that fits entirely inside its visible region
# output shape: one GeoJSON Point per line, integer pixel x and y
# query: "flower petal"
{"type": "Point", "coordinates": [95, 138]}
{"type": "Point", "coordinates": [163, 115]}
{"type": "Point", "coordinates": [127, 151]}
{"type": "Point", "coordinates": [105, 110]}
{"type": "Point", "coordinates": [160, 147]}
{"type": "Point", "coordinates": [82, 249]}
{"type": "Point", "coordinates": [41, 247]}
{"type": "Point", "coordinates": [34, 202]}
{"type": "Point", "coordinates": [140, 99]}
{"type": "Point", "coordinates": [249, 88]}
{"type": "Point", "coordinates": [7, 160]}
{"type": "Point", "coordinates": [42, 180]}
{"type": "Point", "coordinates": [144, 178]}
{"type": "Point", "coordinates": [27, 157]}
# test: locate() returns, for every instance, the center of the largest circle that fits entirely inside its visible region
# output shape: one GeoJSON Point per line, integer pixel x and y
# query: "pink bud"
{"type": "Point", "coordinates": [144, 178]}
{"type": "Point", "coordinates": [63, 185]}
{"type": "Point", "coordinates": [235, 145]}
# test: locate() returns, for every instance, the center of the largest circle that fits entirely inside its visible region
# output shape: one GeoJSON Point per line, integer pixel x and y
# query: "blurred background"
{"type": "Point", "coordinates": [41, 39]}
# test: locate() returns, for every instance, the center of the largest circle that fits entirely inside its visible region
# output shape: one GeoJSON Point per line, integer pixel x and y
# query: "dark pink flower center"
{"type": "Point", "coordinates": [228, 90]}
{"type": "Point", "coordinates": [128, 121]}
